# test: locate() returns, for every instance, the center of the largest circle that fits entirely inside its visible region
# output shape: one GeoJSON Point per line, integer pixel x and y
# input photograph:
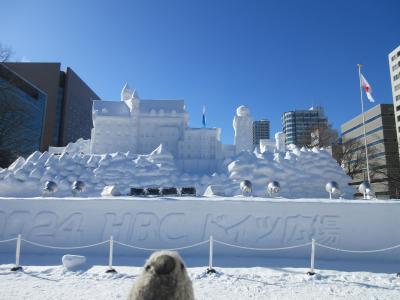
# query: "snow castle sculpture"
{"type": "Point", "coordinates": [139, 126]}
{"type": "Point", "coordinates": [243, 126]}
{"type": "Point", "coordinates": [149, 143]}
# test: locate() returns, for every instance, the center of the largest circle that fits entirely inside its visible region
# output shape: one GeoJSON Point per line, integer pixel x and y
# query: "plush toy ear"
{"type": "Point", "coordinates": [147, 267]}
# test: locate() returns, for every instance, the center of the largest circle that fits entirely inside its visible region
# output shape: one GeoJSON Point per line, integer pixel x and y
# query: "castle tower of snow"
{"type": "Point", "coordinates": [280, 139]}
{"type": "Point", "coordinates": [243, 126]}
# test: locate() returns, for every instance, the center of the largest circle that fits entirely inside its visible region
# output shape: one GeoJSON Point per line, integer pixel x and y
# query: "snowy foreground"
{"type": "Point", "coordinates": [277, 279]}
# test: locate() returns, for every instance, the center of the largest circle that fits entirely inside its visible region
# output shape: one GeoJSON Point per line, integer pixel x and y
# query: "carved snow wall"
{"type": "Point", "coordinates": [148, 223]}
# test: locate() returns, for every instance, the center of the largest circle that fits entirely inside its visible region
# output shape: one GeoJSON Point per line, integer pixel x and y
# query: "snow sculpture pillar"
{"type": "Point", "coordinates": [280, 138]}
{"type": "Point", "coordinates": [243, 126]}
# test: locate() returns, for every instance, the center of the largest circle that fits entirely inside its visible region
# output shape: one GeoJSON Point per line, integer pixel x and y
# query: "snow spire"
{"type": "Point", "coordinates": [127, 93]}
{"type": "Point", "coordinates": [135, 94]}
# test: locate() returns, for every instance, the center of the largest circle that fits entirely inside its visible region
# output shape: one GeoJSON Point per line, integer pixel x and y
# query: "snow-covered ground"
{"type": "Point", "coordinates": [244, 279]}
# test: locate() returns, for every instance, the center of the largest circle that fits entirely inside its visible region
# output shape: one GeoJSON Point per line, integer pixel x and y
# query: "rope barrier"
{"type": "Point", "coordinates": [204, 242]}
{"type": "Point", "coordinates": [9, 240]}
{"type": "Point", "coordinates": [357, 251]}
{"type": "Point", "coordinates": [65, 248]}
{"type": "Point", "coordinates": [211, 241]}
{"type": "Point", "coordinates": [263, 249]}
{"type": "Point", "coordinates": [156, 249]}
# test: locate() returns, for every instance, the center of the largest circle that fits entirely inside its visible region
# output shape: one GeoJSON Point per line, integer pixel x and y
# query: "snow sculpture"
{"type": "Point", "coordinates": [139, 126]}
{"type": "Point", "coordinates": [280, 141]}
{"type": "Point", "coordinates": [140, 144]}
{"type": "Point", "coordinates": [125, 170]}
{"type": "Point", "coordinates": [243, 126]}
{"type": "Point", "coordinates": [267, 145]}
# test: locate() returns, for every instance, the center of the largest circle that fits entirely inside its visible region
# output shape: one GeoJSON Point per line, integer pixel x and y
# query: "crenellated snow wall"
{"type": "Point", "coordinates": [300, 172]}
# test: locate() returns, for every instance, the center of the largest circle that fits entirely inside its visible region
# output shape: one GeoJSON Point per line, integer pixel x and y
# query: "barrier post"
{"type": "Point", "coordinates": [210, 268]}
{"type": "Point", "coordinates": [17, 266]}
{"type": "Point", "coordinates": [312, 272]}
{"type": "Point", "coordinates": [110, 257]}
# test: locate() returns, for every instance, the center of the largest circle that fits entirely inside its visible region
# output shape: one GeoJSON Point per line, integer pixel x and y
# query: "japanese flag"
{"type": "Point", "coordinates": [367, 88]}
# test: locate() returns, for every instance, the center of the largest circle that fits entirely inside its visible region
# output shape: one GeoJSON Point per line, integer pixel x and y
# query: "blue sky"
{"type": "Point", "coordinates": [272, 56]}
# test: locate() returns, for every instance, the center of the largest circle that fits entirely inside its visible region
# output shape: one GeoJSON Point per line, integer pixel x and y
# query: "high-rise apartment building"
{"type": "Point", "coordinates": [68, 114]}
{"type": "Point", "coordinates": [383, 155]}
{"type": "Point", "coordinates": [299, 124]}
{"type": "Point", "coordinates": [394, 65]}
{"type": "Point", "coordinates": [260, 131]}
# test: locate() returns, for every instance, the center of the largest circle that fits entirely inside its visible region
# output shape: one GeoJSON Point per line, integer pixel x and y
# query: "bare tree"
{"type": "Point", "coordinates": [353, 161]}
{"type": "Point", "coordinates": [323, 135]}
{"type": "Point", "coordinates": [352, 158]}
{"type": "Point", "coordinates": [5, 53]}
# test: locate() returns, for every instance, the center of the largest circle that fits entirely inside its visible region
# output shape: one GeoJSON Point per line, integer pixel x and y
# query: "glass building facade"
{"type": "Point", "coordinates": [298, 124]}
{"type": "Point", "coordinates": [260, 131]}
{"type": "Point", "coordinates": [22, 114]}
{"type": "Point", "coordinates": [57, 128]}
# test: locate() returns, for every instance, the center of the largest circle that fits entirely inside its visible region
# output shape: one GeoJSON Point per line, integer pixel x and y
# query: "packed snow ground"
{"type": "Point", "coordinates": [247, 279]}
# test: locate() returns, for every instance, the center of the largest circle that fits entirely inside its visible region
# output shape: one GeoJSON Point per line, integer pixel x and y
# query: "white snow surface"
{"type": "Point", "coordinates": [302, 173]}
{"type": "Point", "coordinates": [259, 281]}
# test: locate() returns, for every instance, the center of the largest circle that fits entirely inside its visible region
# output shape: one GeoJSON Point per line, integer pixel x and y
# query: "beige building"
{"type": "Point", "coordinates": [394, 65]}
{"type": "Point", "coordinates": [382, 147]}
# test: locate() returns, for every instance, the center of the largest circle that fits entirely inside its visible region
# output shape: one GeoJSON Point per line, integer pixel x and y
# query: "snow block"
{"type": "Point", "coordinates": [214, 190]}
{"type": "Point", "coordinates": [110, 190]}
{"type": "Point", "coordinates": [73, 262]}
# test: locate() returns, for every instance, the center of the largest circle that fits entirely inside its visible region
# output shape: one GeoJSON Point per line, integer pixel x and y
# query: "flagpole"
{"type": "Point", "coordinates": [363, 120]}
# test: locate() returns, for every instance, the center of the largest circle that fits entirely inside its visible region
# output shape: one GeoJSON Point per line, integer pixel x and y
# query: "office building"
{"type": "Point", "coordinates": [22, 116]}
{"type": "Point", "coordinates": [382, 148]}
{"type": "Point", "coordinates": [394, 65]}
{"type": "Point", "coordinates": [260, 131]}
{"type": "Point", "coordinates": [68, 112]}
{"type": "Point", "coordinates": [298, 125]}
